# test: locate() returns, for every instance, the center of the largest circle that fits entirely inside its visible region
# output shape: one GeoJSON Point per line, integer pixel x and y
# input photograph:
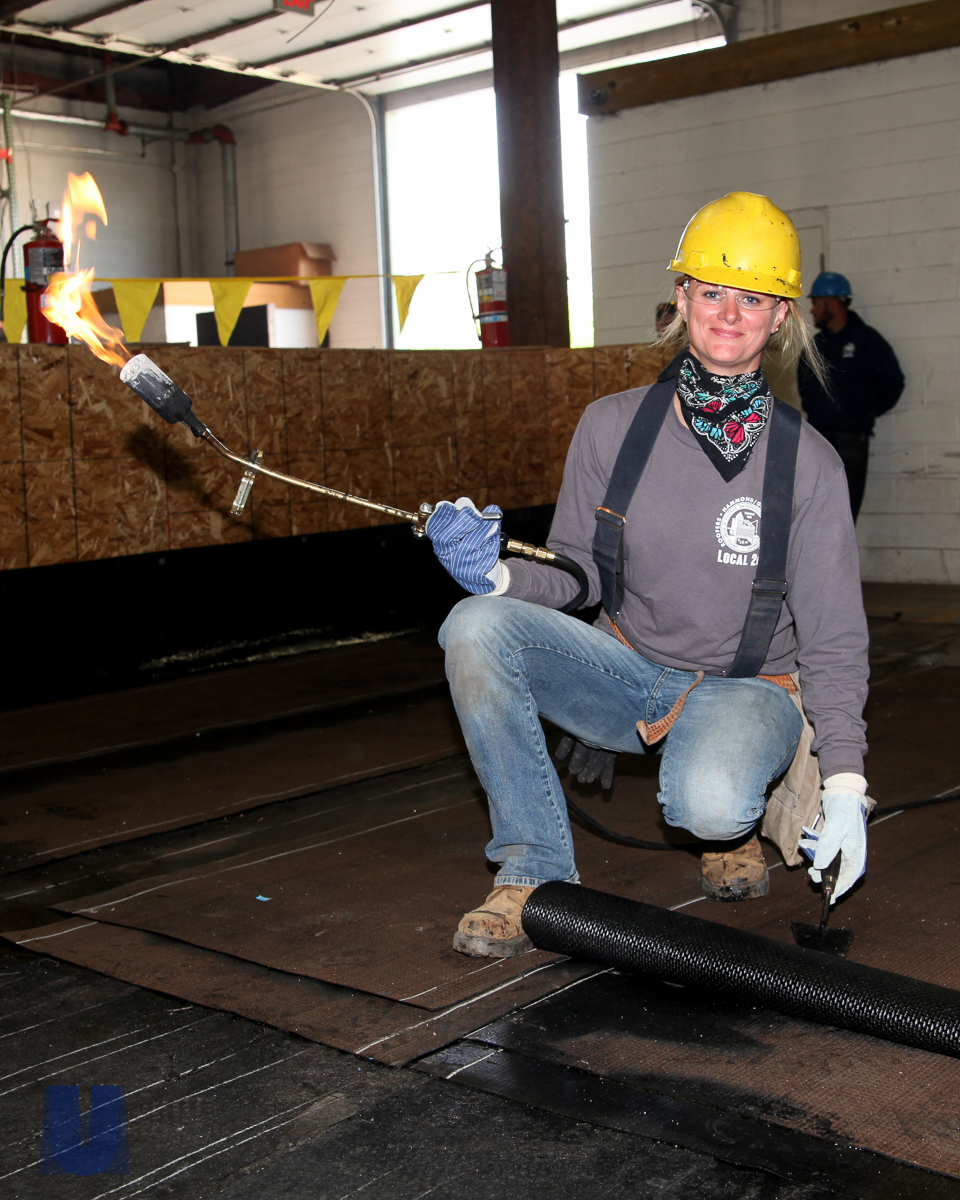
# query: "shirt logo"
{"type": "Point", "coordinates": [849, 350]}
{"type": "Point", "coordinates": [738, 532]}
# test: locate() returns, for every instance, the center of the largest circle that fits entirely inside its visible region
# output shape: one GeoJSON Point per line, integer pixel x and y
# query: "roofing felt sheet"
{"type": "Point", "coordinates": [375, 909]}
{"type": "Point", "coordinates": [845, 1087]}
{"type": "Point", "coordinates": [348, 1020]}
{"type": "Point", "coordinates": [77, 811]}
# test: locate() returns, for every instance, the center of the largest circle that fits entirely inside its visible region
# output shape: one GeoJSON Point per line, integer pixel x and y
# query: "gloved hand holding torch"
{"type": "Point", "coordinates": [467, 543]}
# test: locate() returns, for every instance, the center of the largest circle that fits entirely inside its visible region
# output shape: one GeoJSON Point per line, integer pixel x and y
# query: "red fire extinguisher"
{"type": "Point", "coordinates": [492, 297]}
{"type": "Point", "coordinates": [43, 257]}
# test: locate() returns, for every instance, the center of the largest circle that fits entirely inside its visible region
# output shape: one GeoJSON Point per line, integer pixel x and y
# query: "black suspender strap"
{"type": "Point", "coordinates": [631, 460]}
{"type": "Point", "coordinates": [770, 584]}
{"type": "Point", "coordinates": [776, 512]}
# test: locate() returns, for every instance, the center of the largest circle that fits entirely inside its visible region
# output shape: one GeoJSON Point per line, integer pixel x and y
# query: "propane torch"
{"type": "Point", "coordinates": [171, 402]}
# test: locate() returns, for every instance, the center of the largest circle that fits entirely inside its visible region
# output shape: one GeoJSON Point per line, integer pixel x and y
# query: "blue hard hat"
{"type": "Point", "coordinates": [831, 283]}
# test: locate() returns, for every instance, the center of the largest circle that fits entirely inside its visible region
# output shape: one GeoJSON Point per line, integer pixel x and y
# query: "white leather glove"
{"type": "Point", "coordinates": [841, 827]}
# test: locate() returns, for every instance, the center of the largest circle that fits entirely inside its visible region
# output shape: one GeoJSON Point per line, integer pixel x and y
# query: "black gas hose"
{"type": "Point", "coordinates": [3, 263]}
{"type": "Point", "coordinates": [555, 559]}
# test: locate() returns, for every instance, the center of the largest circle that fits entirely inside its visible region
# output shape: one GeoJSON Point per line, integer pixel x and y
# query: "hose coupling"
{"type": "Point", "coordinates": [527, 550]}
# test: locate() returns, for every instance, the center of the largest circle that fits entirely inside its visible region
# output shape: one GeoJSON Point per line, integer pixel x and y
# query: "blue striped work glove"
{"type": "Point", "coordinates": [467, 542]}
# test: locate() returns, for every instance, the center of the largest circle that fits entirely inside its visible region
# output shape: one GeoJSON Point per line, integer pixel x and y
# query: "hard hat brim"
{"type": "Point", "coordinates": [743, 278]}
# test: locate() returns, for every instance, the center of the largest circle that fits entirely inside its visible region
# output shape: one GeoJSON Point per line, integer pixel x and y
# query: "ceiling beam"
{"type": "Point", "coordinates": [413, 64]}
{"type": "Point", "coordinates": [206, 35]}
{"type": "Point", "coordinates": [97, 13]}
{"type": "Point", "coordinates": [407, 23]}
{"type": "Point", "coordinates": [447, 12]}
{"type": "Point", "coordinates": [10, 8]}
{"type": "Point", "coordinates": [870, 37]}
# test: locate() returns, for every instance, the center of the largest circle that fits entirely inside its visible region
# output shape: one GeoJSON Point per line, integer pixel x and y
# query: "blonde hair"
{"type": "Point", "coordinates": [792, 344]}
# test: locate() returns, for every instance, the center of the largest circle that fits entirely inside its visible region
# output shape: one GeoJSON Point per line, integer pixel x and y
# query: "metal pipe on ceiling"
{"type": "Point", "coordinates": [12, 207]}
{"type": "Point", "coordinates": [216, 133]}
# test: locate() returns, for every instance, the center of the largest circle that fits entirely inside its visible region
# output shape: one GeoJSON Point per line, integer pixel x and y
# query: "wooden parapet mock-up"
{"type": "Point", "coordinates": [871, 37]}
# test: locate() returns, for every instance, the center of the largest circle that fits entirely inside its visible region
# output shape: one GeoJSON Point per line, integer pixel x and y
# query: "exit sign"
{"type": "Point", "coordinates": [300, 6]}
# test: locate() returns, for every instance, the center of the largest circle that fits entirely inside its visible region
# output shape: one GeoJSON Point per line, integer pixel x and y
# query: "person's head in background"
{"type": "Point", "coordinates": [830, 299]}
{"type": "Point", "coordinates": [665, 314]}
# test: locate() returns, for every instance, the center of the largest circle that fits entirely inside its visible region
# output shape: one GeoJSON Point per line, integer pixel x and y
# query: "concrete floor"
{"type": "Point", "coordinates": [223, 1107]}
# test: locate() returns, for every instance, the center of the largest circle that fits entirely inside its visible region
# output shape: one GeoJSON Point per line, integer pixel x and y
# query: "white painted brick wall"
{"type": "Point", "coordinates": [879, 147]}
{"type": "Point", "coordinates": [137, 189]}
{"type": "Point", "coordinates": [305, 175]}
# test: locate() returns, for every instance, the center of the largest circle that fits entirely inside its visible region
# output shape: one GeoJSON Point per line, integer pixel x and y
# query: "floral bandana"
{"type": "Point", "coordinates": [727, 413]}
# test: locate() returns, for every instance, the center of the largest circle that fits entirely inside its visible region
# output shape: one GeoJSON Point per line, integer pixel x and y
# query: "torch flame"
{"type": "Point", "coordinates": [68, 300]}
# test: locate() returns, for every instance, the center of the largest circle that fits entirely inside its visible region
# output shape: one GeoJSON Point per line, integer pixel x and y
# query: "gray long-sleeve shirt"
{"type": "Point", "coordinates": [690, 554]}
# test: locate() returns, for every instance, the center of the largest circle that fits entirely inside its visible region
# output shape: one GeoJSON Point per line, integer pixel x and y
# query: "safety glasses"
{"type": "Point", "coordinates": [712, 296]}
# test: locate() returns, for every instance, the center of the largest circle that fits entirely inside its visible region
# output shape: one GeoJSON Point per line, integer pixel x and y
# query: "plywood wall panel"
{"type": "Point", "coordinates": [361, 472]}
{"type": "Point", "coordinates": [470, 422]}
{"type": "Point", "coordinates": [610, 370]}
{"type": "Point", "coordinates": [51, 512]}
{"type": "Point", "coordinates": [644, 364]}
{"type": "Point", "coordinates": [569, 389]}
{"type": "Point", "coordinates": [356, 399]}
{"type": "Point", "coordinates": [308, 511]}
{"type": "Point", "coordinates": [421, 398]}
{"type": "Point", "coordinates": [45, 403]}
{"type": "Point", "coordinates": [11, 444]}
{"type": "Point", "coordinates": [529, 394]}
{"type": "Point", "coordinates": [209, 528]}
{"type": "Point", "coordinates": [498, 396]}
{"type": "Point", "coordinates": [104, 410]}
{"type": "Point", "coordinates": [425, 473]}
{"type": "Point", "coordinates": [98, 474]}
{"type": "Point", "coordinates": [303, 401]}
{"type": "Point", "coordinates": [213, 377]}
{"type": "Point", "coordinates": [472, 473]}
{"type": "Point", "coordinates": [13, 529]}
{"type": "Point", "coordinates": [266, 411]}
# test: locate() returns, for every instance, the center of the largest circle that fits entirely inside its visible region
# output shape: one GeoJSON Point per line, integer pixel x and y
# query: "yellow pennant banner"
{"type": "Point", "coordinates": [135, 298]}
{"type": "Point", "coordinates": [14, 310]}
{"type": "Point", "coordinates": [228, 298]}
{"type": "Point", "coordinates": [325, 293]}
{"type": "Point", "coordinates": [405, 285]}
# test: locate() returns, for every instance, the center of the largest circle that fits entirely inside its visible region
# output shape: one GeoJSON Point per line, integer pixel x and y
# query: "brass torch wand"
{"type": "Point", "coordinates": [159, 391]}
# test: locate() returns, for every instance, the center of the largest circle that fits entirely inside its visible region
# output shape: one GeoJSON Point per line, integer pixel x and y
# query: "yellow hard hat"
{"type": "Point", "coordinates": [743, 241]}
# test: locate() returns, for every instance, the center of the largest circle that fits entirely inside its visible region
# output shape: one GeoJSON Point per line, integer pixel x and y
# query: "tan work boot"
{"type": "Point", "coordinates": [494, 929]}
{"type": "Point", "coordinates": [739, 874]}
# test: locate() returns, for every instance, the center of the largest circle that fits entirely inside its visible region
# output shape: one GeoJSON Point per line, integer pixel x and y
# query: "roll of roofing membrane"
{"type": "Point", "coordinates": [743, 968]}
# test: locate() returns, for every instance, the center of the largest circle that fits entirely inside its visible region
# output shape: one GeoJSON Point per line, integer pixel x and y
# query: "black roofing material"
{"type": "Point", "coordinates": [743, 967]}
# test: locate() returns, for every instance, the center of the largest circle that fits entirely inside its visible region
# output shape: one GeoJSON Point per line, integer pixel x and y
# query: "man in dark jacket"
{"type": "Point", "coordinates": [865, 379]}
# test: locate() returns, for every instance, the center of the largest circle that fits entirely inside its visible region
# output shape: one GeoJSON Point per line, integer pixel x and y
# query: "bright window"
{"type": "Point", "coordinates": [444, 204]}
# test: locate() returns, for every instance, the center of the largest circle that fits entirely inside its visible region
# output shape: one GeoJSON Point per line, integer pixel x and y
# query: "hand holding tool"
{"type": "Point", "coordinates": [467, 543]}
{"type": "Point", "coordinates": [843, 830]}
{"type": "Point", "coordinates": [819, 937]}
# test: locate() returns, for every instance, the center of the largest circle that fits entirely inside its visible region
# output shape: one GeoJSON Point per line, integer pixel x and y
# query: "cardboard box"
{"type": "Point", "coordinates": [306, 259]}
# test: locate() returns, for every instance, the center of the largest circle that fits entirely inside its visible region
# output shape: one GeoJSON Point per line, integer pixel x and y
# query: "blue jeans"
{"type": "Point", "coordinates": [511, 662]}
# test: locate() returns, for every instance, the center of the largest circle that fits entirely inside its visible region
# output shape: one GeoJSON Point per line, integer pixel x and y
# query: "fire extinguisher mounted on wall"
{"type": "Point", "coordinates": [43, 257]}
{"type": "Point", "coordinates": [491, 317]}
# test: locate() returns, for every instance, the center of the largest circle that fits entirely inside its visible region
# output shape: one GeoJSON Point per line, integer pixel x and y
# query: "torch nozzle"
{"type": "Point", "coordinates": [157, 389]}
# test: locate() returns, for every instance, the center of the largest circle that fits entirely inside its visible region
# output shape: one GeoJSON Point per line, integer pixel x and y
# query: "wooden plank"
{"type": "Point", "coordinates": [872, 37]}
